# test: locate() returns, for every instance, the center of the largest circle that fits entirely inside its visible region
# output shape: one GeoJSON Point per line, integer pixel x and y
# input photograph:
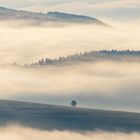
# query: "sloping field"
{"type": "Point", "coordinates": [50, 117]}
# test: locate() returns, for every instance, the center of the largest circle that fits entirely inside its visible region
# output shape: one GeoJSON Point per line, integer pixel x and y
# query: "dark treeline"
{"type": "Point", "coordinates": [113, 55]}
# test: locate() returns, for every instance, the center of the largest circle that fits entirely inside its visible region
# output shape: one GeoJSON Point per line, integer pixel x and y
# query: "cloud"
{"type": "Point", "coordinates": [85, 5]}
{"type": "Point", "coordinates": [95, 3]}
{"type": "Point", "coordinates": [22, 133]}
{"type": "Point", "coordinates": [117, 4]}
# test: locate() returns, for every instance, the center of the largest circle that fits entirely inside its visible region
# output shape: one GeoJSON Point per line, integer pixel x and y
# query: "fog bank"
{"type": "Point", "coordinates": [23, 43]}
{"type": "Point", "coordinates": [108, 85]}
{"type": "Point", "coordinates": [22, 133]}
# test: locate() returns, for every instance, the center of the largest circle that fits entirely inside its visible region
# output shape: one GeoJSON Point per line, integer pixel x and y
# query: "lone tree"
{"type": "Point", "coordinates": [73, 103]}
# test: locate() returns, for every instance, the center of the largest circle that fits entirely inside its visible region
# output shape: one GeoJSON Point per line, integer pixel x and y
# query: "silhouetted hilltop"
{"type": "Point", "coordinates": [72, 18]}
{"type": "Point", "coordinates": [11, 14]}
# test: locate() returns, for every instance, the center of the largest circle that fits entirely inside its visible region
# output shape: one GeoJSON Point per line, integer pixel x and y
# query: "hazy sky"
{"type": "Point", "coordinates": [118, 9]}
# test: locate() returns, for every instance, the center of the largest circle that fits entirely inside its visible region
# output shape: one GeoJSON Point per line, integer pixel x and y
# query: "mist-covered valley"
{"type": "Point", "coordinates": [23, 44]}
{"type": "Point", "coordinates": [111, 83]}
{"type": "Point", "coordinates": [107, 85]}
{"type": "Point", "coordinates": [104, 84]}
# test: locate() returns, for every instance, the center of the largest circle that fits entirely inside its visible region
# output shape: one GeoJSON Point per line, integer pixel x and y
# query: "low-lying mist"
{"type": "Point", "coordinates": [107, 85]}
{"type": "Point", "coordinates": [22, 133]}
{"type": "Point", "coordinates": [22, 43]}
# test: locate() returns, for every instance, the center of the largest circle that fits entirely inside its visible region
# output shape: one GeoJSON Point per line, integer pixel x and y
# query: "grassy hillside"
{"type": "Point", "coordinates": [50, 117]}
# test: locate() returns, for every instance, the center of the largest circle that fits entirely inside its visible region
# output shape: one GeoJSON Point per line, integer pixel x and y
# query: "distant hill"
{"type": "Point", "coordinates": [52, 117]}
{"type": "Point", "coordinates": [72, 18]}
{"type": "Point", "coordinates": [11, 14]}
{"type": "Point", "coordinates": [92, 56]}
